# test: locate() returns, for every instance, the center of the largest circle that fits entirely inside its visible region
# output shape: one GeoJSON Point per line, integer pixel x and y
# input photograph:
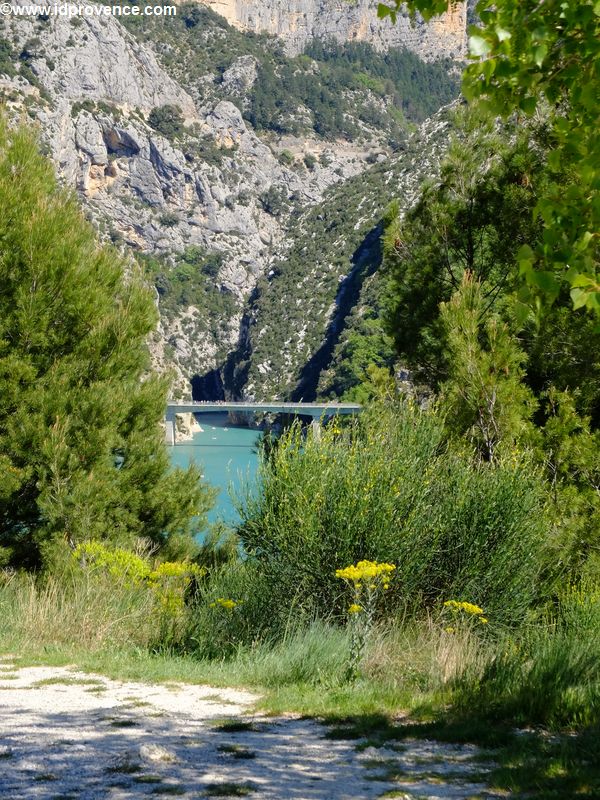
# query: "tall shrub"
{"type": "Point", "coordinates": [388, 489]}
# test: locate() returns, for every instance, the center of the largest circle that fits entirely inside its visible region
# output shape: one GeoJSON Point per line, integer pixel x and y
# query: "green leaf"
{"type": "Point", "coordinates": [584, 280]}
{"type": "Point", "coordinates": [528, 104]}
{"type": "Point", "coordinates": [546, 281]}
{"type": "Point", "coordinates": [525, 253]}
{"type": "Point", "coordinates": [502, 34]}
{"type": "Point", "coordinates": [478, 46]}
{"type": "Point", "coordinates": [554, 159]}
{"type": "Point", "coordinates": [579, 298]}
{"type": "Point", "coordinates": [540, 53]}
{"type": "Point", "coordinates": [584, 241]}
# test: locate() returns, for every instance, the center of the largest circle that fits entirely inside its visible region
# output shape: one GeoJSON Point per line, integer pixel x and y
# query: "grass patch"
{"type": "Point", "coordinates": [125, 768]}
{"type": "Point", "coordinates": [237, 751]}
{"type": "Point", "coordinates": [135, 702]}
{"type": "Point", "coordinates": [228, 790]}
{"type": "Point", "coordinates": [123, 723]}
{"type": "Point", "coordinates": [237, 726]}
{"type": "Point", "coordinates": [68, 682]}
{"type": "Point", "coordinates": [148, 779]}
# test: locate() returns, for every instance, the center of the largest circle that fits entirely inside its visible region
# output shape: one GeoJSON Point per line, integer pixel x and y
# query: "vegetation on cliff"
{"type": "Point", "coordinates": [332, 90]}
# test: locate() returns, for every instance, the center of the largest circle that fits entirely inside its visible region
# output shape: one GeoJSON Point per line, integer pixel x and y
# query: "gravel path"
{"type": "Point", "coordinates": [65, 734]}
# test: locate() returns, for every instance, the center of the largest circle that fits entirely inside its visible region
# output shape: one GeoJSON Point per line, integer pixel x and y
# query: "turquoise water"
{"type": "Point", "coordinates": [226, 455]}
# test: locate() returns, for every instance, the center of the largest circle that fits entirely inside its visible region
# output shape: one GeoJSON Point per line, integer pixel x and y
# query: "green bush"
{"type": "Point", "coordinates": [167, 120]}
{"type": "Point", "coordinates": [217, 631]}
{"type": "Point", "coordinates": [388, 489]}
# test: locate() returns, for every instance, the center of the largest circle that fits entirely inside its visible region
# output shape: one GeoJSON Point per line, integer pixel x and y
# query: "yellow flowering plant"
{"type": "Point", "coordinates": [463, 613]}
{"type": "Point", "coordinates": [367, 581]}
{"type": "Point", "coordinates": [226, 603]}
{"type": "Point", "coordinates": [168, 582]}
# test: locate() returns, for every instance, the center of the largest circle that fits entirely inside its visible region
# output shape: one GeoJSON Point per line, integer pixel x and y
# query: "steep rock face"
{"type": "Point", "coordinates": [299, 21]}
{"type": "Point", "coordinates": [299, 309]}
{"type": "Point", "coordinates": [152, 195]}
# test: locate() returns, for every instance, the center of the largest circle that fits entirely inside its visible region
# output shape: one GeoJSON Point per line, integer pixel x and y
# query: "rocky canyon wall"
{"type": "Point", "coordinates": [299, 21]}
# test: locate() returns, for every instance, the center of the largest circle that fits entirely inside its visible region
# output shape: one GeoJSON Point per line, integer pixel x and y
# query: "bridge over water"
{"type": "Point", "coordinates": [315, 410]}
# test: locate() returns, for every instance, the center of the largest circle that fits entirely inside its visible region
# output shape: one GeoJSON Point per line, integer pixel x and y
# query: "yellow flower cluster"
{"type": "Point", "coordinates": [354, 608]}
{"type": "Point", "coordinates": [169, 580]}
{"type": "Point", "coordinates": [369, 572]}
{"type": "Point", "coordinates": [120, 564]}
{"type": "Point", "coordinates": [176, 569]}
{"type": "Point", "coordinates": [226, 603]}
{"type": "Point", "coordinates": [468, 608]}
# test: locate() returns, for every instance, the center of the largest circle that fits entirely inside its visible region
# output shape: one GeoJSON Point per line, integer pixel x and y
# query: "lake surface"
{"type": "Point", "coordinates": [227, 457]}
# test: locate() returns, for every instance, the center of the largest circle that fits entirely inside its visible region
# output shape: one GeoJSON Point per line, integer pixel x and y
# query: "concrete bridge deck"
{"type": "Point", "coordinates": [301, 409]}
{"type": "Point", "coordinates": [315, 410]}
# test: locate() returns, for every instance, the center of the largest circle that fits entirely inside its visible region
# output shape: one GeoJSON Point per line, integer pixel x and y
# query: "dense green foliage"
{"type": "Point", "coordinates": [364, 347]}
{"type": "Point", "coordinates": [167, 120]}
{"type": "Point", "coordinates": [507, 379]}
{"type": "Point", "coordinates": [187, 281]}
{"type": "Point", "coordinates": [548, 674]}
{"type": "Point", "coordinates": [474, 219]}
{"type": "Point", "coordinates": [7, 58]}
{"type": "Point", "coordinates": [407, 85]}
{"type": "Point", "coordinates": [527, 55]}
{"type": "Point", "coordinates": [389, 490]}
{"type": "Point", "coordinates": [332, 90]}
{"type": "Point", "coordinates": [81, 454]}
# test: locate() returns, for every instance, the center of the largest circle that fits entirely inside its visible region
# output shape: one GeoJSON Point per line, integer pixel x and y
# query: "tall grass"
{"type": "Point", "coordinates": [57, 612]}
{"type": "Point", "coordinates": [545, 673]}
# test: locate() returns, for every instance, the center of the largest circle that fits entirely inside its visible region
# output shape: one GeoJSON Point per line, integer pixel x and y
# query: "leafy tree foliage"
{"type": "Point", "coordinates": [507, 382]}
{"type": "Point", "coordinates": [526, 54]}
{"type": "Point", "coordinates": [472, 220]}
{"type": "Point", "coordinates": [81, 452]}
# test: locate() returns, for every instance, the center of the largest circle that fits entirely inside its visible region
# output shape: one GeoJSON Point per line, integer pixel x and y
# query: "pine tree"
{"type": "Point", "coordinates": [81, 449]}
{"type": "Point", "coordinates": [485, 397]}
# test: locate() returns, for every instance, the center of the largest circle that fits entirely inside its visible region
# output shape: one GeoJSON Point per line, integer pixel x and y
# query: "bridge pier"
{"type": "Point", "coordinates": [316, 430]}
{"type": "Point", "coordinates": [169, 433]}
{"type": "Point", "coordinates": [170, 427]}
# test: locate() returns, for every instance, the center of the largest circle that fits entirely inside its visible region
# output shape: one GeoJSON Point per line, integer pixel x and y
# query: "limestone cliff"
{"type": "Point", "coordinates": [299, 21]}
{"type": "Point", "coordinates": [186, 425]}
{"type": "Point", "coordinates": [143, 191]}
{"type": "Point", "coordinates": [212, 208]}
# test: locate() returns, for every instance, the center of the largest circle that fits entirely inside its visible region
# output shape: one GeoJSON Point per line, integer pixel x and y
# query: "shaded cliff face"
{"type": "Point", "coordinates": [299, 21]}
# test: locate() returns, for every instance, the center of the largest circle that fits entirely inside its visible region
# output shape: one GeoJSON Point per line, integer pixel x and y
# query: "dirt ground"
{"type": "Point", "coordinates": [65, 734]}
